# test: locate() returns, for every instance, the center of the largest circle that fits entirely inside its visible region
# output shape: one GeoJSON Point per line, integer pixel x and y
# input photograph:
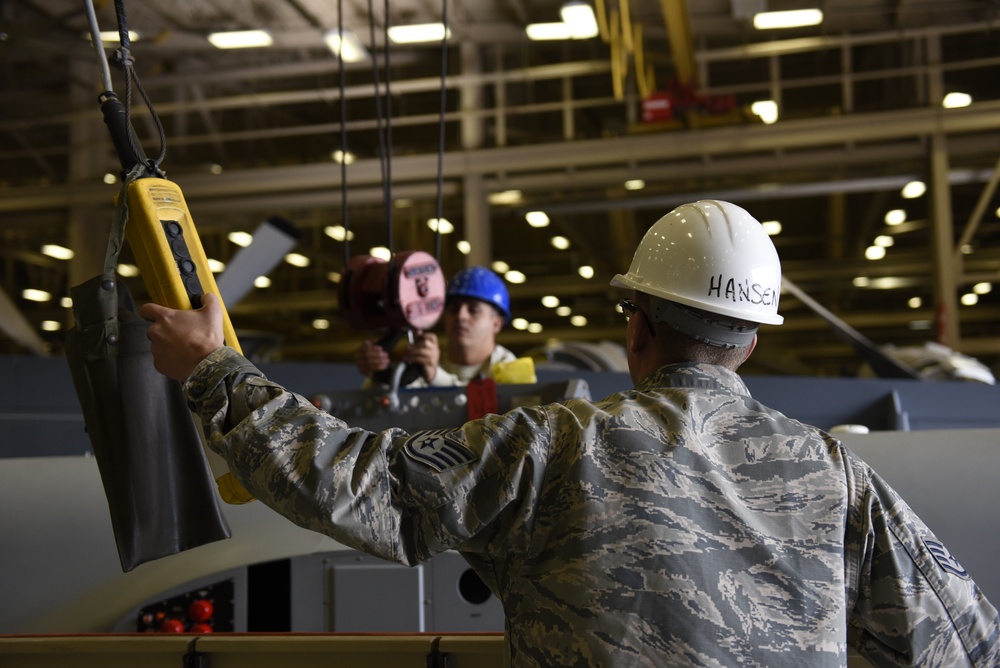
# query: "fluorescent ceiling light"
{"type": "Point", "coordinates": [635, 184]}
{"type": "Point", "coordinates": [772, 227]}
{"type": "Point", "coordinates": [424, 32]}
{"type": "Point", "coordinates": [297, 260]}
{"type": "Point", "coordinates": [114, 36]}
{"type": "Point", "coordinates": [956, 100]}
{"type": "Point", "coordinates": [500, 267]}
{"type": "Point", "coordinates": [586, 271]}
{"type": "Point", "coordinates": [889, 283]}
{"type": "Point", "coordinates": [505, 197]}
{"type": "Point", "coordinates": [34, 295]}
{"type": "Point", "coordinates": [241, 39]}
{"type": "Point", "coordinates": [58, 252]}
{"type": "Point", "coordinates": [795, 18]}
{"type": "Point", "coordinates": [440, 223]}
{"type": "Point", "coordinates": [342, 157]}
{"type": "Point", "coordinates": [514, 276]}
{"type": "Point", "coordinates": [895, 217]}
{"type": "Point", "coordinates": [215, 266]}
{"type": "Point", "coordinates": [875, 252]}
{"type": "Point", "coordinates": [353, 50]}
{"type": "Point", "coordinates": [766, 109]}
{"type": "Point", "coordinates": [914, 189]}
{"type": "Point", "coordinates": [262, 282]}
{"type": "Point", "coordinates": [537, 218]}
{"type": "Point", "coordinates": [578, 22]}
{"type": "Point", "coordinates": [580, 18]}
{"type": "Point", "coordinates": [242, 239]}
{"type": "Point", "coordinates": [338, 232]}
{"type": "Point", "coordinates": [464, 247]}
{"type": "Point", "coordinates": [540, 32]}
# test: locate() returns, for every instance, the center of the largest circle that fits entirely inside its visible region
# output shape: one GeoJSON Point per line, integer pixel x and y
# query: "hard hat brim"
{"type": "Point", "coordinates": [627, 282]}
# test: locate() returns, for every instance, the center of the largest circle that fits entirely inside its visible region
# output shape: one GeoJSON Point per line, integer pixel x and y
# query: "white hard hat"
{"type": "Point", "coordinates": [711, 255]}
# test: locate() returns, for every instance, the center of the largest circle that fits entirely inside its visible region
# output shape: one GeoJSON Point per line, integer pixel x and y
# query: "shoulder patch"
{"type": "Point", "coordinates": [945, 559]}
{"type": "Point", "coordinates": [438, 450]}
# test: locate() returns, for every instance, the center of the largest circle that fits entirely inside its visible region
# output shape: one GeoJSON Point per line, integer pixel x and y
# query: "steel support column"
{"type": "Point", "coordinates": [942, 229]}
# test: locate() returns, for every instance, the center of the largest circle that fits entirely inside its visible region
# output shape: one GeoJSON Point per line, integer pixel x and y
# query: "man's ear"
{"type": "Point", "coordinates": [637, 333]}
{"type": "Point", "coordinates": [497, 324]}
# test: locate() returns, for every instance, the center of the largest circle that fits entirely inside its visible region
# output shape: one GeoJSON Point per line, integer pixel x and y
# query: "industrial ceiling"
{"type": "Point", "coordinates": [250, 134]}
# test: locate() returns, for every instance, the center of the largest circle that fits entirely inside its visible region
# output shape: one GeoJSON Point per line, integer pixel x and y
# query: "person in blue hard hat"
{"type": "Point", "coordinates": [477, 306]}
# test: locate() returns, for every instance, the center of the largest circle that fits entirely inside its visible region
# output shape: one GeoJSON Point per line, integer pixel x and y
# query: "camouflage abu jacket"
{"type": "Point", "coordinates": [680, 523]}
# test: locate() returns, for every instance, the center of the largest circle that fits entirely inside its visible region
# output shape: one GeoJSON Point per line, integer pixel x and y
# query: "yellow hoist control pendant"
{"type": "Point", "coordinates": [175, 271]}
{"type": "Point", "coordinates": [167, 249]}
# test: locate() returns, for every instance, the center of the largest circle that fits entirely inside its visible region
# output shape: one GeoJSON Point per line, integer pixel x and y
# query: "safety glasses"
{"type": "Point", "coordinates": [629, 309]}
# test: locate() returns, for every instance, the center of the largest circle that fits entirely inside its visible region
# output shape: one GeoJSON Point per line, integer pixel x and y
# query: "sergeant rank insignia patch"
{"type": "Point", "coordinates": [945, 559]}
{"type": "Point", "coordinates": [437, 450]}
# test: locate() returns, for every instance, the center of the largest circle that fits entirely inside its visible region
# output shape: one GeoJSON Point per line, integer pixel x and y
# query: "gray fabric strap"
{"type": "Point", "coordinates": [705, 329]}
{"type": "Point", "coordinates": [117, 236]}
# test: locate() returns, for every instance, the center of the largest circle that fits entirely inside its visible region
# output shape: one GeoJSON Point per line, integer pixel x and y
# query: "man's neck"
{"type": "Point", "coordinates": [469, 357]}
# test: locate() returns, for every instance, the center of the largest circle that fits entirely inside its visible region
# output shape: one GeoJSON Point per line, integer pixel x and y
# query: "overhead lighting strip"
{"type": "Point", "coordinates": [795, 18]}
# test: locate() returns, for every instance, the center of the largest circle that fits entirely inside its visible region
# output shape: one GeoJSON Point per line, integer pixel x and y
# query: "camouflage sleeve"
{"type": "Point", "coordinates": [911, 603]}
{"type": "Point", "coordinates": [398, 496]}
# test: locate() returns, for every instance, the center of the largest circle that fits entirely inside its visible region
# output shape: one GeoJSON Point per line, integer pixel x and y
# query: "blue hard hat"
{"type": "Point", "coordinates": [482, 284]}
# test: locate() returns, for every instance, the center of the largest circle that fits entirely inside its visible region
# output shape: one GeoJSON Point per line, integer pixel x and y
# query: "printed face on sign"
{"type": "Point", "coordinates": [421, 292]}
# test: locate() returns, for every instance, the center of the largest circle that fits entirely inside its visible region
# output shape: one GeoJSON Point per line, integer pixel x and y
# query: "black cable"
{"type": "Point", "coordinates": [127, 64]}
{"type": "Point", "coordinates": [378, 113]}
{"type": "Point", "coordinates": [388, 129]}
{"type": "Point", "coordinates": [123, 37]}
{"type": "Point", "coordinates": [124, 59]}
{"type": "Point", "coordinates": [444, 97]}
{"type": "Point", "coordinates": [153, 164]}
{"type": "Point", "coordinates": [343, 140]}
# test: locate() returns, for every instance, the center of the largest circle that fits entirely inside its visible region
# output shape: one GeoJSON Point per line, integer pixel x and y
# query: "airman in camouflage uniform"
{"type": "Point", "coordinates": [680, 523]}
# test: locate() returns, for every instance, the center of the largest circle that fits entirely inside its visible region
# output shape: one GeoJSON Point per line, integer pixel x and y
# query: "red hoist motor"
{"type": "Point", "coordinates": [405, 293]}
